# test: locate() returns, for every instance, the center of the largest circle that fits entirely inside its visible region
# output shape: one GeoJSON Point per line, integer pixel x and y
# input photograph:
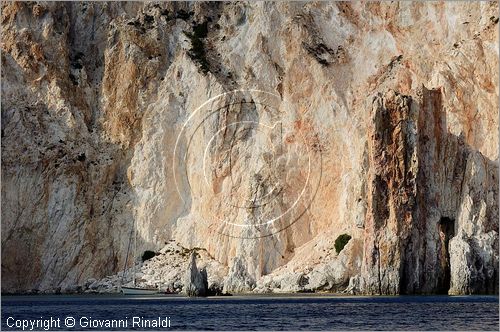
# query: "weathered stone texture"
{"type": "Point", "coordinates": [117, 114]}
{"type": "Point", "coordinates": [432, 221]}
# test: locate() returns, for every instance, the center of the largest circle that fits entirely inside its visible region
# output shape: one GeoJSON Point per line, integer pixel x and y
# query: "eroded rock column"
{"type": "Point", "coordinates": [391, 192]}
{"type": "Point", "coordinates": [432, 219]}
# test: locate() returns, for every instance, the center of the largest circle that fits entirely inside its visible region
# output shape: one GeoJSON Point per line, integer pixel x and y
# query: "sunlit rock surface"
{"type": "Point", "coordinates": [257, 133]}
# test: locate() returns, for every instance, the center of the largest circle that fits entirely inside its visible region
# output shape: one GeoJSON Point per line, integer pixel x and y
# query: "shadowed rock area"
{"type": "Point", "coordinates": [431, 199]}
{"type": "Point", "coordinates": [195, 281]}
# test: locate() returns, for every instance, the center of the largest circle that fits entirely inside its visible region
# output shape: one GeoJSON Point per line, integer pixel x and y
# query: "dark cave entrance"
{"type": "Point", "coordinates": [446, 228]}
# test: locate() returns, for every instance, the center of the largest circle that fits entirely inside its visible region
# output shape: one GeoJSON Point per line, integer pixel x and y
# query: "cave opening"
{"type": "Point", "coordinates": [446, 227]}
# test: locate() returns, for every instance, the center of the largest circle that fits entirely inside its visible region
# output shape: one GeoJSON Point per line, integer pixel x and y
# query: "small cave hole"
{"type": "Point", "coordinates": [446, 228]}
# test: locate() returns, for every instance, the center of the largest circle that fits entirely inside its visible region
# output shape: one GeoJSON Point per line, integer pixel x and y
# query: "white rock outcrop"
{"type": "Point", "coordinates": [238, 280]}
{"type": "Point", "coordinates": [166, 271]}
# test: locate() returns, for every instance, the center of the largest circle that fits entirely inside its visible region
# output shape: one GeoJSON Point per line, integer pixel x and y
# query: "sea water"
{"type": "Point", "coordinates": [285, 312]}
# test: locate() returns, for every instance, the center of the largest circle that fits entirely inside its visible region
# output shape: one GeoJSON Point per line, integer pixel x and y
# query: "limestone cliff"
{"type": "Point", "coordinates": [427, 187]}
{"type": "Point", "coordinates": [259, 132]}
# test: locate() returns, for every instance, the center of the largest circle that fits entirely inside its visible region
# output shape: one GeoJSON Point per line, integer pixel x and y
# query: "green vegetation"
{"type": "Point", "coordinates": [197, 51]}
{"type": "Point", "coordinates": [341, 241]}
{"type": "Point", "coordinates": [148, 254]}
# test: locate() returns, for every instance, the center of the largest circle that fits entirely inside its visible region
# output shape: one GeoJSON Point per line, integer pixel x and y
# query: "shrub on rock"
{"type": "Point", "coordinates": [341, 241]}
{"type": "Point", "coordinates": [148, 254]}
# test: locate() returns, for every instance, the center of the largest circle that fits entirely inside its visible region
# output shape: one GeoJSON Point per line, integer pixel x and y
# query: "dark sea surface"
{"type": "Point", "coordinates": [287, 312]}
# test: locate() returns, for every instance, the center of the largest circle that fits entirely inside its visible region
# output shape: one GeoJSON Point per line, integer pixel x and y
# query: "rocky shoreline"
{"type": "Point", "coordinates": [167, 269]}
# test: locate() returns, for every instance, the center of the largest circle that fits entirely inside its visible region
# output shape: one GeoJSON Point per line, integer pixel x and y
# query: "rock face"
{"type": "Point", "coordinates": [256, 134]}
{"type": "Point", "coordinates": [431, 200]}
{"type": "Point", "coordinates": [238, 279]}
{"type": "Point", "coordinates": [333, 275]}
{"type": "Point", "coordinates": [195, 281]}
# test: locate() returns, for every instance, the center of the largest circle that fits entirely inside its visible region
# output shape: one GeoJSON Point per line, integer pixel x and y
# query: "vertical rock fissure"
{"type": "Point", "coordinates": [446, 229]}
